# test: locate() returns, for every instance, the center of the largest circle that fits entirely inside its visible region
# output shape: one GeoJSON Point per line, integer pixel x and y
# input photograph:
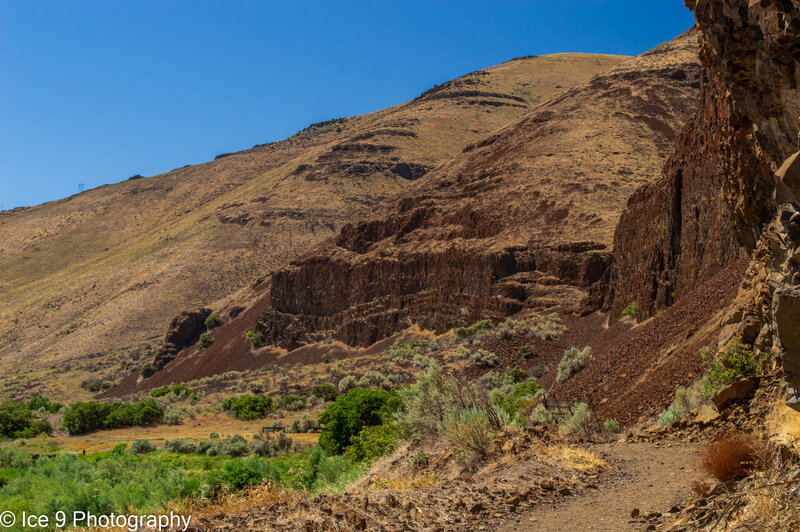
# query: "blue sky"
{"type": "Point", "coordinates": [94, 92]}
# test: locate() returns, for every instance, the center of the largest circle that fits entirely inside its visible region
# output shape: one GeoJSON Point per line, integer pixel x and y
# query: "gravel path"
{"type": "Point", "coordinates": [646, 476]}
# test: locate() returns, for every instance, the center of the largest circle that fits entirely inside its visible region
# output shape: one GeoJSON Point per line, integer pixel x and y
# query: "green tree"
{"type": "Point", "coordinates": [349, 414]}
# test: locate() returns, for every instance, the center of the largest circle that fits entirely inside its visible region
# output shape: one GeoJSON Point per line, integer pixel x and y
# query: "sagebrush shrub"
{"type": "Point", "coordinates": [572, 362]}
{"type": "Point", "coordinates": [479, 327]}
{"type": "Point", "coordinates": [468, 432]}
{"type": "Point", "coordinates": [347, 383]}
{"type": "Point", "coordinates": [611, 425]}
{"type": "Point", "coordinates": [579, 420]}
{"type": "Point", "coordinates": [484, 358]}
{"type": "Point", "coordinates": [686, 400]}
{"type": "Point", "coordinates": [180, 445]}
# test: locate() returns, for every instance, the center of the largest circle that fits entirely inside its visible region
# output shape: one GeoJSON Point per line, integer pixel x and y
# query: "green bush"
{"type": "Point", "coordinates": [81, 418]}
{"type": "Point", "coordinates": [13, 457]}
{"type": "Point", "coordinates": [256, 339]}
{"type": "Point", "coordinates": [514, 375]}
{"type": "Point", "coordinates": [148, 370]}
{"type": "Point", "coordinates": [724, 366]}
{"type": "Point", "coordinates": [611, 425]}
{"type": "Point", "coordinates": [142, 447]}
{"type": "Point", "coordinates": [17, 421]}
{"type": "Point", "coordinates": [328, 472]}
{"type": "Point", "coordinates": [242, 473]}
{"type": "Point", "coordinates": [324, 390]}
{"type": "Point", "coordinates": [419, 461]}
{"type": "Point", "coordinates": [374, 441]}
{"type": "Point", "coordinates": [479, 327]}
{"type": "Point", "coordinates": [511, 398]}
{"type": "Point", "coordinates": [204, 341]}
{"type": "Point", "coordinates": [572, 362]}
{"type": "Point", "coordinates": [178, 390]}
{"type": "Point", "coordinates": [213, 321]}
{"type": "Point", "coordinates": [50, 407]}
{"type": "Point", "coordinates": [247, 407]}
{"type": "Point", "coordinates": [119, 448]}
{"type": "Point", "coordinates": [348, 414]}
{"type": "Point", "coordinates": [631, 310]}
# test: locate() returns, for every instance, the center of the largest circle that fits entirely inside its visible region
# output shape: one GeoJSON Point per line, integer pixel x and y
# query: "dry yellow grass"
{"type": "Point", "coordinates": [191, 429]}
{"type": "Point", "coordinates": [574, 457]}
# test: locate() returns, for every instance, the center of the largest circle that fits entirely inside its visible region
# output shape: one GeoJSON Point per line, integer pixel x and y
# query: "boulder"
{"type": "Point", "coordinates": [786, 306]}
{"type": "Point", "coordinates": [186, 327]}
{"type": "Point", "coordinates": [789, 173]}
{"type": "Point", "coordinates": [183, 331]}
{"type": "Point", "coordinates": [734, 392]}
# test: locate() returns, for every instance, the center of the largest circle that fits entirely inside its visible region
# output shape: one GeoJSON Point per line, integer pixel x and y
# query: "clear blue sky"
{"type": "Point", "coordinates": [94, 92]}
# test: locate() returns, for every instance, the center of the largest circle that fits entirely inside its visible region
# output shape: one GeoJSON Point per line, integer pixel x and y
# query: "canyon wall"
{"type": "Point", "coordinates": [714, 198]}
{"type": "Point", "coordinates": [523, 219]}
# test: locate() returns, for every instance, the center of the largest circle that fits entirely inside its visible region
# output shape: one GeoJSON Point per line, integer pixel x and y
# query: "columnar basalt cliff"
{"type": "Point", "coordinates": [522, 219]}
{"type": "Point", "coordinates": [714, 198]}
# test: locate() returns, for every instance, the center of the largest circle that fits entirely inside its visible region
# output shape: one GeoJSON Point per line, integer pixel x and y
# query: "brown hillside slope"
{"type": "Point", "coordinates": [86, 282]}
{"type": "Point", "coordinates": [522, 219]}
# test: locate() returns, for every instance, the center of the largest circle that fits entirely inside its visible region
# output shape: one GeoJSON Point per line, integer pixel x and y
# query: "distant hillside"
{"type": "Point", "coordinates": [87, 283]}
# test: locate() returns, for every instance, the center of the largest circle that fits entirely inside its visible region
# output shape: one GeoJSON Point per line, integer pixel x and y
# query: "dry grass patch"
{"type": "Point", "coordinates": [574, 458]}
{"type": "Point", "coordinates": [733, 455]}
{"type": "Point", "coordinates": [411, 482]}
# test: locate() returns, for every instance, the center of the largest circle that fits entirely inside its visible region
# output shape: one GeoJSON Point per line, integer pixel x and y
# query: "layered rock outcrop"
{"type": "Point", "coordinates": [521, 220]}
{"type": "Point", "coordinates": [720, 196]}
{"type": "Point", "coordinates": [184, 330]}
{"type": "Point", "coordinates": [714, 198]}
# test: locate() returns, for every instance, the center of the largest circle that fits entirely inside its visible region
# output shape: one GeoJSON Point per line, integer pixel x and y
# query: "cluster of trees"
{"type": "Point", "coordinates": [25, 419]}
{"type": "Point", "coordinates": [247, 407]}
{"type": "Point", "coordinates": [81, 418]}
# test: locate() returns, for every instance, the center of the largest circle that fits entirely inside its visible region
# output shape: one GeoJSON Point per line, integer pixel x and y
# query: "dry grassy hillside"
{"type": "Point", "coordinates": [87, 282]}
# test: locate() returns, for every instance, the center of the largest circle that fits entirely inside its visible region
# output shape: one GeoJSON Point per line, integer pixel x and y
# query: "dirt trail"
{"type": "Point", "coordinates": [645, 476]}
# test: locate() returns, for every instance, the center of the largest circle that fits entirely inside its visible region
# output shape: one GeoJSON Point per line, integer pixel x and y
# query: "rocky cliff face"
{"type": "Point", "coordinates": [732, 186]}
{"type": "Point", "coordinates": [714, 198]}
{"type": "Point", "coordinates": [521, 220]}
